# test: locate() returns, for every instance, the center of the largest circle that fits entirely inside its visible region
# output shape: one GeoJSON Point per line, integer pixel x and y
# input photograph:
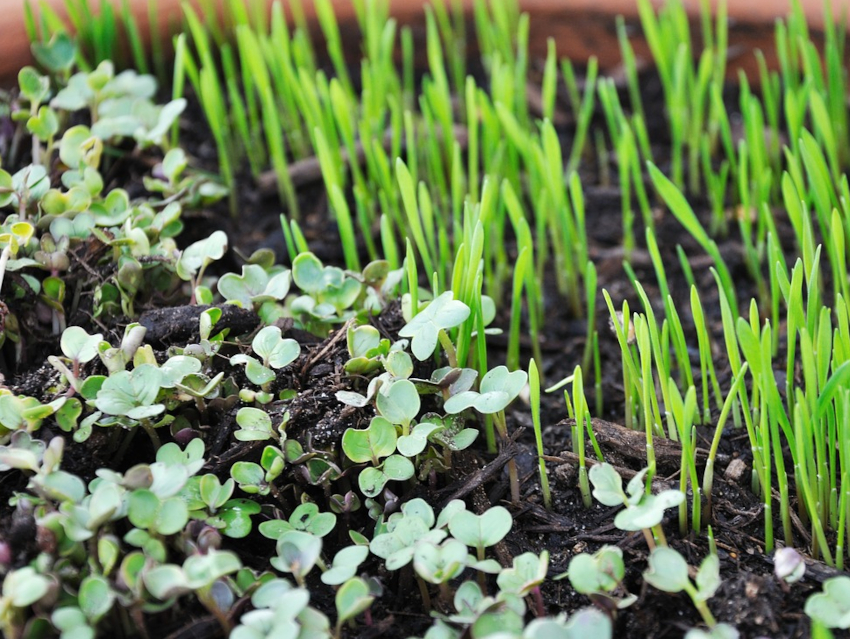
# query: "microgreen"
{"type": "Point", "coordinates": [668, 571]}
{"type": "Point", "coordinates": [450, 159]}
{"type": "Point", "coordinates": [429, 325]}
{"type": "Point", "coordinates": [643, 511]}
{"type": "Point", "coordinates": [600, 575]}
{"type": "Point", "coordinates": [305, 517]}
{"type": "Point", "coordinates": [831, 607]}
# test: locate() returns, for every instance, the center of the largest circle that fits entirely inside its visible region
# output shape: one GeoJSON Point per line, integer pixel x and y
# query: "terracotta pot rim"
{"type": "Point", "coordinates": [587, 22]}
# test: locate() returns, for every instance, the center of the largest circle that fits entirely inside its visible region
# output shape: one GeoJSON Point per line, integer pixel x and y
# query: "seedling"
{"type": "Point", "coordinates": [480, 531]}
{"type": "Point", "coordinates": [830, 607]}
{"type": "Point", "coordinates": [440, 563]}
{"type": "Point", "coordinates": [258, 478]}
{"type": "Point", "coordinates": [525, 577]}
{"type": "Point", "coordinates": [297, 553]}
{"type": "Point", "coordinates": [133, 395]}
{"type": "Point", "coordinates": [254, 287]}
{"type": "Point", "coordinates": [600, 577]}
{"type": "Point", "coordinates": [372, 444]}
{"type": "Point", "coordinates": [276, 353]}
{"type": "Point", "coordinates": [195, 259]}
{"type": "Point", "coordinates": [430, 324]}
{"type": "Point", "coordinates": [498, 388]}
{"type": "Point", "coordinates": [352, 598]}
{"type": "Point", "coordinates": [644, 511]}
{"type": "Point", "coordinates": [587, 622]}
{"type": "Point", "coordinates": [398, 401]}
{"type": "Point", "coordinates": [345, 564]}
{"type": "Point", "coordinates": [668, 571]}
{"type": "Point", "coordinates": [80, 348]}
{"type": "Point", "coordinates": [210, 500]}
{"type": "Point", "coordinates": [403, 531]}
{"type": "Point", "coordinates": [306, 517]}
{"type": "Point", "coordinates": [372, 479]}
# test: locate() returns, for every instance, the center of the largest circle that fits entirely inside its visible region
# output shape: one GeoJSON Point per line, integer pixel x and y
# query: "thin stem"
{"type": "Point", "coordinates": [151, 431]}
{"type": "Point", "coordinates": [448, 347]}
{"type": "Point", "coordinates": [4, 258]}
{"type": "Point", "coordinates": [423, 592]}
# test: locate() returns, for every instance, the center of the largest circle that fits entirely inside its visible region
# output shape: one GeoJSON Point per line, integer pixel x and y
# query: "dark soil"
{"type": "Point", "coordinates": [751, 598]}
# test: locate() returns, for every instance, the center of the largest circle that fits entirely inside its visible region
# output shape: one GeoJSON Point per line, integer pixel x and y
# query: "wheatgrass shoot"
{"type": "Point", "coordinates": [683, 212]}
{"type": "Point", "coordinates": [708, 473]}
{"type": "Point", "coordinates": [582, 417]}
{"type": "Point", "coordinates": [534, 395]}
{"type": "Point", "coordinates": [684, 412]}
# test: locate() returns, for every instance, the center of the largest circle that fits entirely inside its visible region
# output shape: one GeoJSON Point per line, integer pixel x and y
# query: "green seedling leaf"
{"type": "Point", "coordinates": [254, 370]}
{"type": "Point", "coordinates": [838, 380]}
{"type": "Point", "coordinates": [449, 511]}
{"type": "Point", "coordinates": [588, 622]}
{"type": "Point", "coordinates": [528, 572]}
{"type": "Point", "coordinates": [444, 312]}
{"type": "Point", "coordinates": [191, 458]}
{"type": "Point", "coordinates": [636, 488]}
{"type": "Point", "coordinates": [649, 512]}
{"type": "Point", "coordinates": [71, 622]}
{"type": "Point", "coordinates": [79, 149]}
{"type": "Point", "coordinates": [166, 516]}
{"type": "Point", "coordinates": [362, 339]}
{"type": "Point", "coordinates": [720, 631]}
{"type": "Point", "coordinates": [397, 468]}
{"type": "Point", "coordinates": [202, 570]}
{"type": "Point", "coordinates": [297, 553]}
{"type": "Point", "coordinates": [44, 125]}
{"type": "Point", "coordinates": [668, 571]}
{"type": "Point", "coordinates": [708, 577]}
{"type": "Point", "coordinates": [250, 477]}
{"type": "Point", "coordinates": [166, 581]}
{"type": "Point", "coordinates": [413, 444]}
{"type": "Point", "coordinates": [372, 480]}
{"type": "Point", "coordinates": [176, 368]}
{"type": "Point", "coordinates": [173, 165]}
{"type": "Point", "coordinates": [236, 516]}
{"type": "Point", "coordinates": [57, 54]}
{"type": "Point", "coordinates": [254, 286]}
{"type": "Point", "coordinates": [213, 493]}
{"type": "Point", "coordinates": [499, 387]}
{"type": "Point", "coordinates": [24, 586]}
{"type": "Point", "coordinates": [23, 451]}
{"type": "Point", "coordinates": [132, 394]}
{"type": "Point", "coordinates": [439, 564]}
{"type": "Point", "coordinates": [345, 565]}
{"type": "Point", "coordinates": [198, 255]}
{"type": "Point", "coordinates": [275, 351]}
{"type": "Point", "coordinates": [607, 485]}
{"type": "Point", "coordinates": [95, 597]}
{"type": "Point", "coordinates": [352, 598]}
{"type": "Point", "coordinates": [371, 444]}
{"type": "Point", "coordinates": [34, 86]}
{"type": "Point", "coordinates": [254, 425]}
{"type": "Point", "coordinates": [6, 188]}
{"type": "Point", "coordinates": [67, 416]}
{"type": "Point", "coordinates": [399, 402]}
{"type": "Point", "coordinates": [481, 531]}
{"type": "Point", "coordinates": [601, 572]}
{"type": "Point", "coordinates": [327, 283]}
{"type": "Point", "coordinates": [305, 517]}
{"type": "Point", "coordinates": [398, 364]}
{"type": "Point", "coordinates": [830, 607]}
{"type": "Point", "coordinates": [396, 546]}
